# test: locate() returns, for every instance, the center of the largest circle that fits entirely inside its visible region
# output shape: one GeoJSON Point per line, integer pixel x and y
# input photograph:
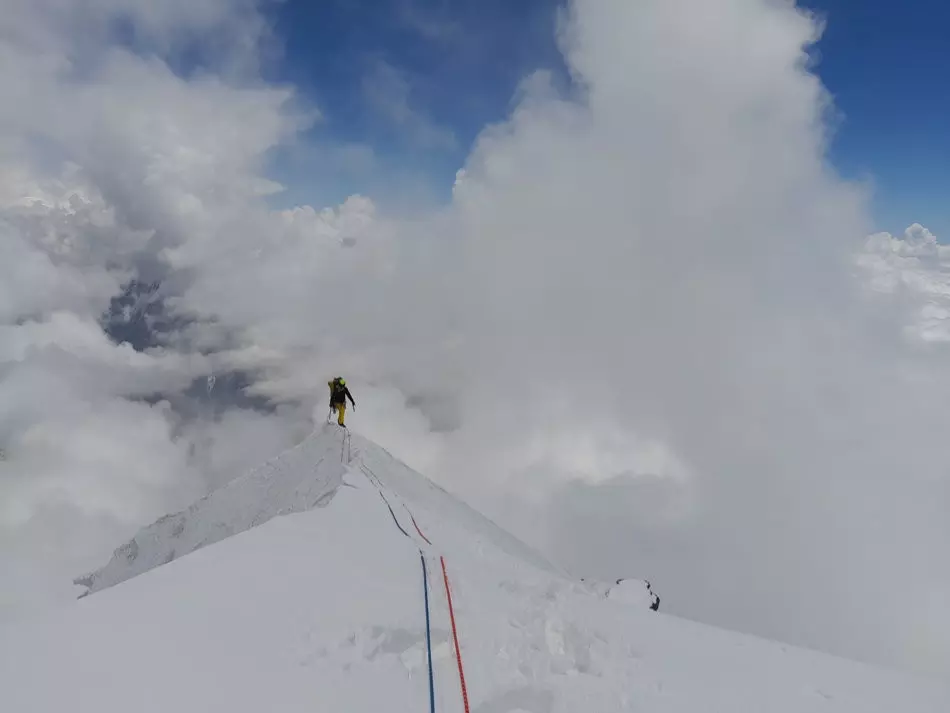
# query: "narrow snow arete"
{"type": "Point", "coordinates": [298, 587]}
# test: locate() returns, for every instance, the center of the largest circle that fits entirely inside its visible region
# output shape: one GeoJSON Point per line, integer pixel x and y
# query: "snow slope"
{"type": "Point", "coordinates": [323, 609]}
{"type": "Point", "coordinates": [305, 477]}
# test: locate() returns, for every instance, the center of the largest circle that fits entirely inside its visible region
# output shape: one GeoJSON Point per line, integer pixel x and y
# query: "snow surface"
{"type": "Point", "coordinates": [322, 610]}
{"type": "Point", "coordinates": [305, 477]}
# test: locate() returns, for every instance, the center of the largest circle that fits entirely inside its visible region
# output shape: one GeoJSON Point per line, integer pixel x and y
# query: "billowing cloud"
{"type": "Point", "coordinates": [108, 161]}
{"type": "Point", "coordinates": [912, 271]}
{"type": "Point", "coordinates": [648, 333]}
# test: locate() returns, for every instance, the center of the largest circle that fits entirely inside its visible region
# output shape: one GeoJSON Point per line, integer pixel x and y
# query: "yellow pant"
{"type": "Point", "coordinates": [341, 412]}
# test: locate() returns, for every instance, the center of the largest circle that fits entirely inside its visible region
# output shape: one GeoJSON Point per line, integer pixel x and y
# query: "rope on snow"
{"type": "Point", "coordinates": [425, 589]}
{"type": "Point", "coordinates": [455, 636]}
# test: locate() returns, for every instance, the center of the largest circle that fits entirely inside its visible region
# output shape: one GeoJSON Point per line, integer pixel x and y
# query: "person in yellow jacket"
{"type": "Point", "coordinates": [338, 396]}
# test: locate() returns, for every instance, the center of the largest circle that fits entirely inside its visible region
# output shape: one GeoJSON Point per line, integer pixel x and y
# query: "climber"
{"type": "Point", "coordinates": [338, 396]}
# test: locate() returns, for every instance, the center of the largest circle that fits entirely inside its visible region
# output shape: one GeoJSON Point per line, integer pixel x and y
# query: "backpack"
{"type": "Point", "coordinates": [337, 392]}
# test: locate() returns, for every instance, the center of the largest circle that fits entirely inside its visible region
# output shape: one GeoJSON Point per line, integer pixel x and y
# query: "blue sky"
{"type": "Point", "coordinates": [404, 86]}
{"type": "Point", "coordinates": [414, 81]}
{"type": "Point", "coordinates": [887, 64]}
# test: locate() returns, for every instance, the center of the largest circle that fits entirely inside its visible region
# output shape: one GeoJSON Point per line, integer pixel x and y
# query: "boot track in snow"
{"type": "Point", "coordinates": [375, 481]}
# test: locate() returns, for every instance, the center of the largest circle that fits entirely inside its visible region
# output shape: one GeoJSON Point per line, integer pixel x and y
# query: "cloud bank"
{"type": "Point", "coordinates": [647, 333]}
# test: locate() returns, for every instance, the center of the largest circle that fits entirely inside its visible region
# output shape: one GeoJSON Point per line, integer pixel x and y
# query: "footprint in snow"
{"type": "Point", "coordinates": [526, 699]}
{"type": "Point", "coordinates": [376, 642]}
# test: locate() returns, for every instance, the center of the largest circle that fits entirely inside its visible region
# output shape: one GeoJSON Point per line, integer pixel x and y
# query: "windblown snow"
{"type": "Point", "coordinates": [302, 586]}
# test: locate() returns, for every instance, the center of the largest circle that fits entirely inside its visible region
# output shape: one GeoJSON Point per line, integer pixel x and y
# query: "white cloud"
{"type": "Point", "coordinates": [63, 32]}
{"type": "Point", "coordinates": [108, 159]}
{"type": "Point", "coordinates": [671, 255]}
{"type": "Point", "coordinates": [913, 272]}
{"type": "Point", "coordinates": [635, 334]}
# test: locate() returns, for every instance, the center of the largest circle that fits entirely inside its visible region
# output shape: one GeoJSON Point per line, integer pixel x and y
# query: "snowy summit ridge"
{"type": "Point", "coordinates": [335, 578]}
{"type": "Point", "coordinates": [302, 478]}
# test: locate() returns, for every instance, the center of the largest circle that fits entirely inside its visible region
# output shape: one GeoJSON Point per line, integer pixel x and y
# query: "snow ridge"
{"type": "Point", "coordinates": [304, 477]}
{"type": "Point", "coordinates": [322, 610]}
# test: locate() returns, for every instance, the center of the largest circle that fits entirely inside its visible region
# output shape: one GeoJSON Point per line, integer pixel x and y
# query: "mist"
{"type": "Point", "coordinates": [649, 333]}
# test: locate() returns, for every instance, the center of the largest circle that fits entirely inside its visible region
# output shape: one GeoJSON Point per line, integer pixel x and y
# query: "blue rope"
{"type": "Point", "coordinates": [425, 588]}
{"type": "Point", "coordinates": [394, 515]}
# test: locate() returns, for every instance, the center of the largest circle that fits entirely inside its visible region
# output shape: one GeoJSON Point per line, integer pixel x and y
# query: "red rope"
{"type": "Point", "coordinates": [455, 636]}
{"type": "Point", "coordinates": [418, 530]}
